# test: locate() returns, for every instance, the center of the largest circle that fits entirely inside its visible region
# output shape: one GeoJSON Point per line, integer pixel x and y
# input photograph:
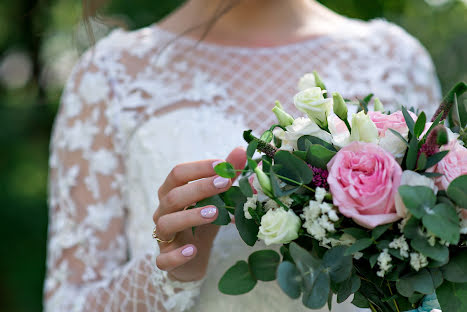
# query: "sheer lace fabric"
{"type": "Point", "coordinates": [132, 110]}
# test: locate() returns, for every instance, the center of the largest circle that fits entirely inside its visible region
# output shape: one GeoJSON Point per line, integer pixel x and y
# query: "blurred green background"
{"type": "Point", "coordinates": [39, 43]}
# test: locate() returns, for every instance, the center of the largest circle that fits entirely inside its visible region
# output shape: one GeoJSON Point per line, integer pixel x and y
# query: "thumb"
{"type": "Point", "coordinates": [237, 158]}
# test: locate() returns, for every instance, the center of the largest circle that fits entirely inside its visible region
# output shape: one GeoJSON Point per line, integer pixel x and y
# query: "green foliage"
{"type": "Point", "coordinates": [263, 264]}
{"type": "Point", "coordinates": [242, 277]}
{"type": "Point", "coordinates": [452, 297]}
{"type": "Point", "coordinates": [293, 168]}
{"type": "Point", "coordinates": [456, 270]}
{"type": "Point", "coordinates": [237, 280]}
{"type": "Point", "coordinates": [225, 170]}
{"type": "Point", "coordinates": [457, 191]}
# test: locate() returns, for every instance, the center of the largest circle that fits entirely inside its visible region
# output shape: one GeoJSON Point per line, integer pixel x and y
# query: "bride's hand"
{"type": "Point", "coordinates": [186, 257]}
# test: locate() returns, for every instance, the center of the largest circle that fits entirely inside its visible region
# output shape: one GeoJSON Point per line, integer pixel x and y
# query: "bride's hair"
{"type": "Point", "coordinates": [91, 8]}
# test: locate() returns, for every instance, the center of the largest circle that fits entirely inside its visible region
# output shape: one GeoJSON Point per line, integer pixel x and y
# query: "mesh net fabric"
{"type": "Point", "coordinates": [99, 259]}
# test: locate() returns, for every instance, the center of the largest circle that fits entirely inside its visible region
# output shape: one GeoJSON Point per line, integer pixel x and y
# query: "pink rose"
{"type": "Point", "coordinates": [394, 121]}
{"type": "Point", "coordinates": [454, 164]}
{"type": "Point", "coordinates": [387, 139]}
{"type": "Point", "coordinates": [363, 179]}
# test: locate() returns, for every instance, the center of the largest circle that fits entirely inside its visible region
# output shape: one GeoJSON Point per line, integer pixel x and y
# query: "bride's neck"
{"type": "Point", "coordinates": [248, 20]}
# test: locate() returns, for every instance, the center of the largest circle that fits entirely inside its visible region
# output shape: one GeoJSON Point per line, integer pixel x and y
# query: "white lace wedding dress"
{"type": "Point", "coordinates": [132, 110]}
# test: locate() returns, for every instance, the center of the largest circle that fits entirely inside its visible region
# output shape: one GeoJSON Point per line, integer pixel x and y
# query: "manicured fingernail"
{"type": "Point", "coordinates": [216, 163]}
{"type": "Point", "coordinates": [208, 212]}
{"type": "Point", "coordinates": [221, 182]}
{"type": "Point", "coordinates": [188, 251]}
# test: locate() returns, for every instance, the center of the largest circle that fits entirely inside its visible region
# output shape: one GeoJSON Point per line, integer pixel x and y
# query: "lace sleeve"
{"type": "Point", "coordinates": [88, 268]}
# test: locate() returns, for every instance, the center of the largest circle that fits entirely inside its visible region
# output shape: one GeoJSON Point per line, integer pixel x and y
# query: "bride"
{"type": "Point", "coordinates": [141, 104]}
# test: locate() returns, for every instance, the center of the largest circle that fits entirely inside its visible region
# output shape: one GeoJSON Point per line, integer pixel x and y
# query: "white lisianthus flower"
{"type": "Point", "coordinates": [300, 127]}
{"type": "Point", "coordinates": [279, 226]}
{"type": "Point", "coordinates": [312, 102]}
{"type": "Point", "coordinates": [363, 129]}
{"type": "Point", "coordinates": [413, 179]}
{"type": "Point", "coordinates": [306, 82]}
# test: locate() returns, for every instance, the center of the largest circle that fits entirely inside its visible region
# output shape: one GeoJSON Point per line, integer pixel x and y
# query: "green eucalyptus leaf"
{"type": "Point", "coordinates": [245, 187]}
{"type": "Point", "coordinates": [276, 188]}
{"type": "Point", "coordinates": [379, 230]}
{"type": "Point", "coordinates": [442, 221]}
{"type": "Point", "coordinates": [412, 229]}
{"type": "Point", "coordinates": [356, 233]}
{"type": "Point", "coordinates": [360, 301]}
{"type": "Point", "coordinates": [247, 228]}
{"type": "Point", "coordinates": [417, 199]}
{"type": "Point", "coordinates": [252, 164]}
{"type": "Point", "coordinates": [337, 264]}
{"type": "Point", "coordinates": [456, 270]}
{"type": "Point", "coordinates": [348, 287]}
{"type": "Point", "coordinates": [289, 279]}
{"type": "Point", "coordinates": [437, 252]}
{"type": "Point", "coordinates": [436, 276]}
{"type": "Point", "coordinates": [304, 142]}
{"type": "Point", "coordinates": [452, 297]}
{"type": "Point", "coordinates": [421, 282]}
{"type": "Point", "coordinates": [303, 259]}
{"type": "Point", "coordinates": [263, 264]}
{"type": "Point", "coordinates": [237, 280]}
{"type": "Point", "coordinates": [316, 289]}
{"type": "Point", "coordinates": [292, 167]}
{"type": "Point", "coordinates": [457, 191]}
{"type": "Point", "coordinates": [373, 259]}
{"type": "Point", "coordinates": [225, 170]}
{"type": "Point", "coordinates": [319, 156]}
{"type": "Point", "coordinates": [359, 245]}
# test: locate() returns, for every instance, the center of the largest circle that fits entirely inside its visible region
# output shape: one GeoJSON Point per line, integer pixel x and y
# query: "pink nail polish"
{"type": "Point", "coordinates": [216, 163]}
{"type": "Point", "coordinates": [188, 251]}
{"type": "Point", "coordinates": [221, 182]}
{"type": "Point", "coordinates": [208, 212]}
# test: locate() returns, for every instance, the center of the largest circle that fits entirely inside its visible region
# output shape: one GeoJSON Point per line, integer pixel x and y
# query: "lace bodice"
{"type": "Point", "coordinates": [132, 110]}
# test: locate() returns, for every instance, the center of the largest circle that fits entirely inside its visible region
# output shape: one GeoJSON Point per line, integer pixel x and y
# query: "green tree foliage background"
{"type": "Point", "coordinates": [40, 41]}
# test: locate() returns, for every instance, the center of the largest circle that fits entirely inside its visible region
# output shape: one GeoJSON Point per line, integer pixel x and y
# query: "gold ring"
{"type": "Point", "coordinates": [154, 235]}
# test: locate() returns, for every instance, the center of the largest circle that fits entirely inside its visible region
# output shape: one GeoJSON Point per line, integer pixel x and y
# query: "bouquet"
{"type": "Point", "coordinates": [372, 206]}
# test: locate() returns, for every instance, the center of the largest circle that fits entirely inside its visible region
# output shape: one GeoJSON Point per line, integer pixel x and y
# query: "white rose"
{"type": "Point", "coordinates": [312, 102]}
{"type": "Point", "coordinates": [279, 226]}
{"type": "Point", "coordinates": [393, 144]}
{"type": "Point", "coordinates": [300, 127]}
{"type": "Point", "coordinates": [413, 179]}
{"type": "Point", "coordinates": [363, 129]}
{"type": "Point", "coordinates": [306, 82]}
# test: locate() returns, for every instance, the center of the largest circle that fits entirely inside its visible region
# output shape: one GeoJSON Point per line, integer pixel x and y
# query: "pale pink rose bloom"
{"type": "Point", "coordinates": [454, 164]}
{"type": "Point", "coordinates": [363, 180]}
{"type": "Point", "coordinates": [394, 121]}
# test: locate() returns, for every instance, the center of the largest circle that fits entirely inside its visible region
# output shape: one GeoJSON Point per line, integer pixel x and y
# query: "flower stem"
{"type": "Point", "coordinates": [372, 307]}
{"type": "Point", "coordinates": [395, 302]}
